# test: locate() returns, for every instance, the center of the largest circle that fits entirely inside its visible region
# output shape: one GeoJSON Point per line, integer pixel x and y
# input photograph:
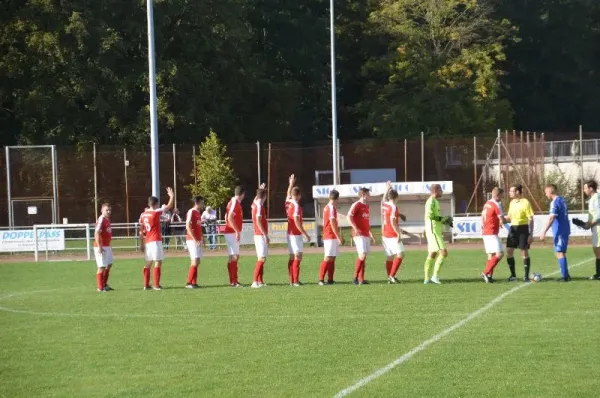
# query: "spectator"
{"type": "Point", "coordinates": [209, 217]}
{"type": "Point", "coordinates": [165, 224]}
{"type": "Point", "coordinates": [177, 230]}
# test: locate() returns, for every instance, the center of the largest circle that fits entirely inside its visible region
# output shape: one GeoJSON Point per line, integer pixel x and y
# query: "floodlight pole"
{"type": "Point", "coordinates": [334, 132]}
{"type": "Point", "coordinates": [8, 191]}
{"type": "Point", "coordinates": [153, 111]}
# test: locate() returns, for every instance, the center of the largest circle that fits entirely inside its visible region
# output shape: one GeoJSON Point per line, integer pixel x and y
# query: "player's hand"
{"type": "Point", "coordinates": [262, 186]}
{"type": "Point", "coordinates": [198, 242]}
{"type": "Point", "coordinates": [292, 179]}
{"type": "Point", "coordinates": [388, 185]}
{"type": "Point", "coordinates": [307, 237]}
{"type": "Point", "coordinates": [237, 236]}
{"type": "Point", "coordinates": [267, 239]}
{"type": "Point", "coordinates": [355, 230]}
{"type": "Point", "coordinates": [372, 238]}
{"type": "Point", "coordinates": [543, 237]}
{"type": "Point", "coordinates": [340, 241]}
{"type": "Point", "coordinates": [402, 217]}
{"type": "Point", "coordinates": [100, 250]}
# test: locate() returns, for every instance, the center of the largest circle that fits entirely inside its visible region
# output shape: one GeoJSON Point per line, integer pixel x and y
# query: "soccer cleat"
{"type": "Point", "coordinates": [485, 277]}
{"type": "Point", "coordinates": [436, 280]}
{"type": "Point", "coordinates": [330, 282]}
{"type": "Point", "coordinates": [363, 282]}
{"type": "Point", "coordinates": [526, 279]}
{"type": "Point", "coordinates": [147, 288]}
{"type": "Point", "coordinates": [355, 281]}
{"type": "Point", "coordinates": [567, 279]}
{"type": "Point", "coordinates": [295, 285]}
{"type": "Point", "coordinates": [392, 279]}
{"type": "Point", "coordinates": [159, 287]}
{"type": "Point", "coordinates": [196, 286]}
{"type": "Point", "coordinates": [108, 288]}
{"type": "Point", "coordinates": [255, 285]}
{"type": "Point", "coordinates": [101, 290]}
{"type": "Point", "coordinates": [595, 277]}
{"type": "Point", "coordinates": [426, 282]}
{"type": "Point", "coordinates": [236, 285]}
{"type": "Point", "coordinates": [190, 286]}
{"type": "Point", "coordinates": [321, 283]}
{"type": "Point", "coordinates": [260, 284]}
{"type": "Point", "coordinates": [512, 279]}
{"type": "Point", "coordinates": [491, 280]}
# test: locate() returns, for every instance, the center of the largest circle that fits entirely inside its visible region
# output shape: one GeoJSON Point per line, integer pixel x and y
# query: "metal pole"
{"type": "Point", "coordinates": [499, 140]}
{"type": "Point", "coordinates": [422, 157]}
{"type": "Point", "coordinates": [475, 171]}
{"type": "Point", "coordinates": [194, 159]}
{"type": "Point", "coordinates": [334, 132]}
{"type": "Point", "coordinates": [521, 149]}
{"type": "Point", "coordinates": [405, 160]}
{"type": "Point", "coordinates": [8, 192]}
{"type": "Point", "coordinates": [153, 111]}
{"type": "Point", "coordinates": [54, 185]}
{"type": "Point", "coordinates": [125, 165]}
{"type": "Point", "coordinates": [175, 175]}
{"type": "Point", "coordinates": [269, 181]}
{"type": "Point", "coordinates": [95, 185]}
{"type": "Point", "coordinates": [340, 165]}
{"type": "Point", "coordinates": [528, 161]}
{"type": "Point", "coordinates": [506, 145]}
{"type": "Point", "coordinates": [258, 162]}
{"type": "Point", "coordinates": [581, 164]}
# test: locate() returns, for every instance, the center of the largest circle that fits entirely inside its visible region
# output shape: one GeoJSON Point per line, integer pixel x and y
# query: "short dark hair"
{"type": "Point", "coordinates": [334, 194]}
{"type": "Point", "coordinates": [518, 188]}
{"type": "Point", "coordinates": [239, 190]}
{"type": "Point", "coordinates": [392, 194]}
{"type": "Point", "coordinates": [152, 200]}
{"type": "Point", "coordinates": [363, 191]}
{"type": "Point", "coordinates": [295, 191]}
{"type": "Point", "coordinates": [261, 193]}
{"type": "Point", "coordinates": [198, 199]}
{"type": "Point", "coordinates": [592, 184]}
{"type": "Point", "coordinates": [553, 187]}
{"type": "Point", "coordinates": [497, 190]}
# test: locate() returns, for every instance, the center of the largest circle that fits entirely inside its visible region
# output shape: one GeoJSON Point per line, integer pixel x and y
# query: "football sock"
{"type": "Point", "coordinates": [527, 265]}
{"type": "Point", "coordinates": [295, 271]}
{"type": "Point", "coordinates": [396, 266]}
{"type": "Point", "coordinates": [290, 263]}
{"type": "Point", "coordinates": [195, 278]}
{"type": "Point", "coordinates": [229, 272]}
{"type": "Point", "coordinates": [257, 271]}
{"type": "Point", "coordinates": [323, 269]}
{"type": "Point", "coordinates": [156, 276]}
{"type": "Point", "coordinates": [491, 265]}
{"type": "Point", "coordinates": [191, 275]}
{"type": "Point", "coordinates": [511, 266]}
{"type": "Point", "coordinates": [388, 267]}
{"type": "Point", "coordinates": [357, 268]}
{"type": "Point", "coordinates": [261, 272]}
{"type": "Point", "coordinates": [361, 272]}
{"type": "Point", "coordinates": [100, 280]}
{"type": "Point", "coordinates": [598, 266]}
{"type": "Point", "coordinates": [564, 267]}
{"type": "Point", "coordinates": [438, 264]}
{"type": "Point", "coordinates": [146, 277]}
{"type": "Point", "coordinates": [234, 272]}
{"type": "Point", "coordinates": [330, 270]}
{"type": "Point", "coordinates": [427, 267]}
{"type": "Point", "coordinates": [105, 274]}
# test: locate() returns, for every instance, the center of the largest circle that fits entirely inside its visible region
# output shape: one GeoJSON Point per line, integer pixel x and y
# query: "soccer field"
{"type": "Point", "coordinates": [62, 338]}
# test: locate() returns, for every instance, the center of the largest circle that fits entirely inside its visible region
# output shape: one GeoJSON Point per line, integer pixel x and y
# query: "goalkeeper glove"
{"type": "Point", "coordinates": [447, 221]}
{"type": "Point", "coordinates": [579, 223]}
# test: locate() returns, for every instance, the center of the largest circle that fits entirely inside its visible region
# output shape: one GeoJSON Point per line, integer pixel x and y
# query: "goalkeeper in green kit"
{"type": "Point", "coordinates": [434, 222]}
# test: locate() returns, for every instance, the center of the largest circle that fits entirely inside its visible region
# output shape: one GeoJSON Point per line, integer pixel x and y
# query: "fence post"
{"type": "Point", "coordinates": [422, 157]}
{"type": "Point", "coordinates": [175, 176]}
{"type": "Point", "coordinates": [87, 241]}
{"type": "Point", "coordinates": [581, 165]}
{"type": "Point", "coordinates": [474, 172]}
{"type": "Point", "coordinates": [125, 165]}
{"type": "Point", "coordinates": [95, 185]}
{"type": "Point", "coordinates": [500, 158]}
{"type": "Point", "coordinates": [258, 162]}
{"type": "Point", "coordinates": [36, 252]}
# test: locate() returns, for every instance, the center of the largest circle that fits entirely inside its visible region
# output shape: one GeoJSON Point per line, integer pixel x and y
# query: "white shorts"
{"type": "Point", "coordinates": [492, 244]}
{"type": "Point", "coordinates": [194, 249]}
{"type": "Point", "coordinates": [295, 244]}
{"type": "Point", "coordinates": [105, 258]}
{"type": "Point", "coordinates": [363, 244]}
{"type": "Point", "coordinates": [392, 246]}
{"type": "Point", "coordinates": [262, 248]}
{"type": "Point", "coordinates": [153, 251]}
{"type": "Point", "coordinates": [331, 247]}
{"type": "Point", "coordinates": [233, 245]}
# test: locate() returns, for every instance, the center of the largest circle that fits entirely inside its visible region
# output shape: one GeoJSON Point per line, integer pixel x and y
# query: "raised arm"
{"type": "Point", "coordinates": [171, 194]}
{"type": "Point", "coordinates": [292, 182]}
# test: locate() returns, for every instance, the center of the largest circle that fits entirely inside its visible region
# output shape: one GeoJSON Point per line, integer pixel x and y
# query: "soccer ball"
{"type": "Point", "coordinates": [536, 277]}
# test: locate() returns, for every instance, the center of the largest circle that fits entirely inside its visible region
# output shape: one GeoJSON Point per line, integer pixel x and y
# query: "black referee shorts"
{"type": "Point", "coordinates": [517, 237]}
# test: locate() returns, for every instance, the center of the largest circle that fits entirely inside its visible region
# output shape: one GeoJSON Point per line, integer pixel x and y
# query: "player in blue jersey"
{"type": "Point", "coordinates": [561, 229]}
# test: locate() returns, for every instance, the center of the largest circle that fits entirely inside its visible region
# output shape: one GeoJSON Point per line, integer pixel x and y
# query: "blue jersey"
{"type": "Point", "coordinates": [561, 225]}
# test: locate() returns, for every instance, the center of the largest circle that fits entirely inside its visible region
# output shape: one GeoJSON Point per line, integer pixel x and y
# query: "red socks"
{"type": "Point", "coordinates": [490, 265]}
{"type": "Point", "coordinates": [388, 267]}
{"type": "Point", "coordinates": [323, 270]}
{"type": "Point", "coordinates": [100, 280]}
{"type": "Point", "coordinates": [359, 270]}
{"type": "Point", "coordinates": [234, 272]}
{"type": "Point", "coordinates": [156, 276]}
{"type": "Point", "coordinates": [330, 270]}
{"type": "Point", "coordinates": [146, 277]}
{"type": "Point", "coordinates": [192, 275]}
{"type": "Point", "coordinates": [105, 274]}
{"type": "Point", "coordinates": [230, 273]}
{"type": "Point", "coordinates": [395, 266]}
{"type": "Point", "coordinates": [357, 267]}
{"type": "Point", "coordinates": [290, 263]}
{"type": "Point", "coordinates": [258, 271]}
{"type": "Point", "coordinates": [295, 271]}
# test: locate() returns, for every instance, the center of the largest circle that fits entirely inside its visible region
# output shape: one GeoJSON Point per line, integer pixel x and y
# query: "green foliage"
{"type": "Point", "coordinates": [214, 173]}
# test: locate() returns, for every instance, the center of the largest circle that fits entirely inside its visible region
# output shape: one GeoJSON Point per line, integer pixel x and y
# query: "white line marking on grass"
{"type": "Point", "coordinates": [405, 357]}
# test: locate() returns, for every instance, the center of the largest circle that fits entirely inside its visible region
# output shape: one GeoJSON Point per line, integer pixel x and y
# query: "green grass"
{"type": "Point", "coordinates": [67, 340]}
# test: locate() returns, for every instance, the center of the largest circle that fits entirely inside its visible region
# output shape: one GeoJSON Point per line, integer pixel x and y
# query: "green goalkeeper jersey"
{"type": "Point", "coordinates": [432, 213]}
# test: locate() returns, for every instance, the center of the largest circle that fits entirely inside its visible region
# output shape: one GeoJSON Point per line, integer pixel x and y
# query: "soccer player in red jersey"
{"type": "Point", "coordinates": [491, 219]}
{"type": "Point", "coordinates": [358, 218]}
{"type": "Point", "coordinates": [295, 231]}
{"type": "Point", "coordinates": [392, 236]}
{"type": "Point", "coordinates": [151, 243]}
{"type": "Point", "coordinates": [193, 240]}
{"type": "Point", "coordinates": [232, 231]}
{"type": "Point", "coordinates": [261, 235]}
{"type": "Point", "coordinates": [102, 249]}
{"type": "Point", "coordinates": [332, 239]}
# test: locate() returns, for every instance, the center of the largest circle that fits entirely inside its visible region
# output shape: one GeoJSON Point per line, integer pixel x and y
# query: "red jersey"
{"type": "Point", "coordinates": [391, 214]}
{"type": "Point", "coordinates": [195, 222]}
{"type": "Point", "coordinates": [234, 207]}
{"type": "Point", "coordinates": [359, 213]}
{"type": "Point", "coordinates": [491, 218]}
{"type": "Point", "coordinates": [259, 215]}
{"type": "Point", "coordinates": [329, 214]}
{"type": "Point", "coordinates": [104, 229]}
{"type": "Point", "coordinates": [150, 222]}
{"type": "Point", "coordinates": [292, 208]}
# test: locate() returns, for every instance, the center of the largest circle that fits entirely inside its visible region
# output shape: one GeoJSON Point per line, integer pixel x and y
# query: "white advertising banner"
{"type": "Point", "coordinates": [470, 227]}
{"type": "Point", "coordinates": [403, 188]}
{"type": "Point", "coordinates": [22, 240]}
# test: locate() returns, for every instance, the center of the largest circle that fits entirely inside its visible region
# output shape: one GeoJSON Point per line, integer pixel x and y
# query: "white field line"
{"type": "Point", "coordinates": [408, 355]}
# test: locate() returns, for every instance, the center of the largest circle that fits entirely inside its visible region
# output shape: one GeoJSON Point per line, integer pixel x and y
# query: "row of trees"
{"type": "Point", "coordinates": [75, 72]}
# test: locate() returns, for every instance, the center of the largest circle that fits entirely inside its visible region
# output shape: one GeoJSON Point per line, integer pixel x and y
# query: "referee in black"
{"type": "Point", "coordinates": [520, 216]}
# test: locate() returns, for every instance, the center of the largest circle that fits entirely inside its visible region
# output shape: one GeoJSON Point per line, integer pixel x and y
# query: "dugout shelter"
{"type": "Point", "coordinates": [413, 196]}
